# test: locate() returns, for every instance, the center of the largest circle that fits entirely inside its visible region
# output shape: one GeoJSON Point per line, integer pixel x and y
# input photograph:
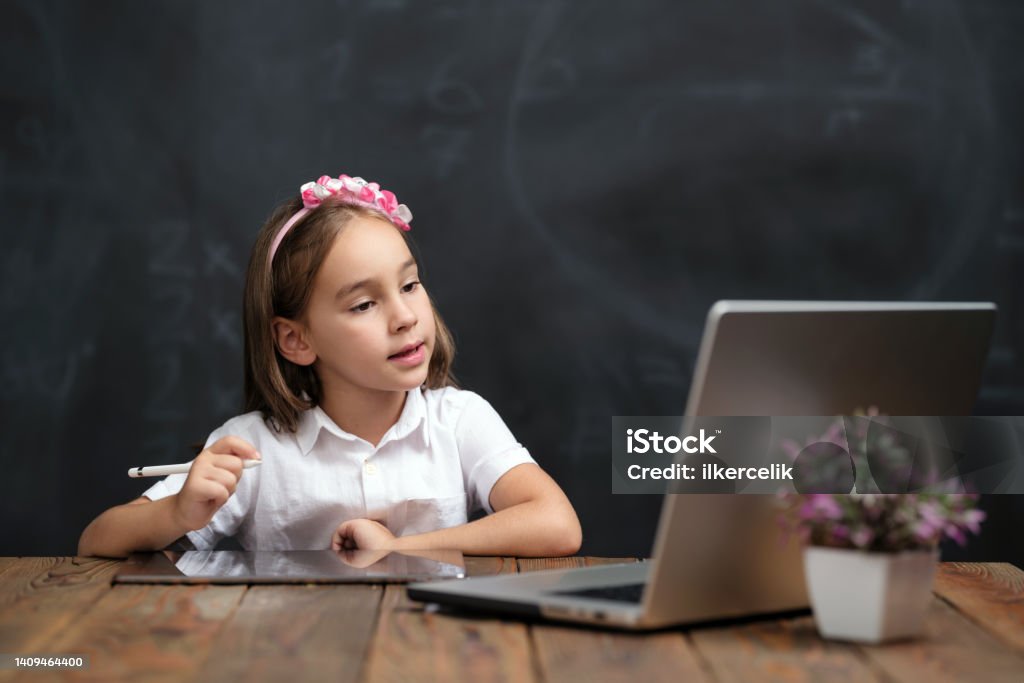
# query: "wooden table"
{"type": "Point", "coordinates": [65, 605]}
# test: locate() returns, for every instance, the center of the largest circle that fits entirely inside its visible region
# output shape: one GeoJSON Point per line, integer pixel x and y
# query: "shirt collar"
{"type": "Point", "coordinates": [412, 419]}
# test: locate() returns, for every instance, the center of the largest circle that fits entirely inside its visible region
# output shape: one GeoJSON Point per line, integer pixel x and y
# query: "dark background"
{"type": "Point", "coordinates": [587, 178]}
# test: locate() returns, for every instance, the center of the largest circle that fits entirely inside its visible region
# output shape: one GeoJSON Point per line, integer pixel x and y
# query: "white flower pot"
{"type": "Point", "coordinates": [869, 597]}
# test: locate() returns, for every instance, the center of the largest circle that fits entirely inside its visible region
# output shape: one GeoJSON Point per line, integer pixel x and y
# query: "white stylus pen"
{"type": "Point", "coordinates": [164, 470]}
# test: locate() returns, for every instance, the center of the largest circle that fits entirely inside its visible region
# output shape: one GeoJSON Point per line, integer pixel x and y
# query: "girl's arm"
{"type": "Point", "coordinates": [144, 525]}
{"type": "Point", "coordinates": [137, 526]}
{"type": "Point", "coordinates": [532, 518]}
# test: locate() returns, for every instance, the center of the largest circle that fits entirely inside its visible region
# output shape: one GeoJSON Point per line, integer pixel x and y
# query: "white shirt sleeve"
{"type": "Point", "coordinates": [229, 517]}
{"type": "Point", "coordinates": [487, 449]}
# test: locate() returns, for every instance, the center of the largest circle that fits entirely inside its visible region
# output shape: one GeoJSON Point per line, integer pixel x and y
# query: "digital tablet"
{"type": "Point", "coordinates": [291, 566]}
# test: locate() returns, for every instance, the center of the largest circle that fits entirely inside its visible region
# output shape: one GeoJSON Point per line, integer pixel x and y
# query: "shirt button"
{"type": "Point", "coordinates": [371, 468]}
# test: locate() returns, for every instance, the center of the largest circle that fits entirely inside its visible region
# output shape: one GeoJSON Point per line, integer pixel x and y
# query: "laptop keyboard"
{"type": "Point", "coordinates": [630, 592]}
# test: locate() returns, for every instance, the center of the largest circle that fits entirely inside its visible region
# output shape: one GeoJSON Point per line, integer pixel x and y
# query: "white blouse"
{"type": "Point", "coordinates": [435, 465]}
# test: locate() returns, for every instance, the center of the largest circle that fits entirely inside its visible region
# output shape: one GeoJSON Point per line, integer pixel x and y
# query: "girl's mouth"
{"type": "Point", "coordinates": [413, 356]}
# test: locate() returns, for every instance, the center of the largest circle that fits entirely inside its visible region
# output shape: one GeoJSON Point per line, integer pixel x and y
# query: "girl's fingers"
{"type": "Point", "coordinates": [223, 477]}
{"type": "Point", "coordinates": [231, 463]}
{"type": "Point", "coordinates": [212, 490]}
{"type": "Point", "coordinates": [343, 538]}
{"type": "Point", "coordinates": [235, 446]}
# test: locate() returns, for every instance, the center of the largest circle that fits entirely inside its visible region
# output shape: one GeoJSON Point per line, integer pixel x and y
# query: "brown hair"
{"type": "Point", "coordinates": [274, 385]}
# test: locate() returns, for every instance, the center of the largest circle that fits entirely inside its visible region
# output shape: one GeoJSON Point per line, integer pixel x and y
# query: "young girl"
{"type": "Point", "coordinates": [364, 439]}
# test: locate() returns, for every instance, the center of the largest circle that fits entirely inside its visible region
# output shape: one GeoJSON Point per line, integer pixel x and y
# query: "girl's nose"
{"type": "Point", "coordinates": [403, 317]}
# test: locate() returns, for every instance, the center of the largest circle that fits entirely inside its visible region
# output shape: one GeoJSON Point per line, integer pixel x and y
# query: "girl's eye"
{"type": "Point", "coordinates": [365, 306]}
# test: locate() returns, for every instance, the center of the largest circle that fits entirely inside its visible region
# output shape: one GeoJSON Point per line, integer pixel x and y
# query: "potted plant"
{"type": "Point", "coordinates": [870, 559]}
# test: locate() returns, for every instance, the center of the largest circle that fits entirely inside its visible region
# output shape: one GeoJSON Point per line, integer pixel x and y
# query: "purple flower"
{"type": "Point", "coordinates": [862, 537]}
{"type": "Point", "coordinates": [823, 506]}
{"type": "Point", "coordinates": [925, 532]}
{"type": "Point", "coordinates": [973, 520]}
{"type": "Point", "coordinates": [956, 534]}
{"type": "Point", "coordinates": [885, 522]}
{"type": "Point", "coordinates": [931, 513]}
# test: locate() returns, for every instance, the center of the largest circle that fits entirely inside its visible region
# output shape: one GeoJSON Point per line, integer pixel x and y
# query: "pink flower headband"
{"type": "Point", "coordinates": [348, 191]}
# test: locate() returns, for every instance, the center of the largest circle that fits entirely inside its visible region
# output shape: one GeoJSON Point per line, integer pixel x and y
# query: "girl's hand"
{"type": "Point", "coordinates": [366, 534]}
{"type": "Point", "coordinates": [211, 481]}
{"type": "Point", "coordinates": [361, 559]}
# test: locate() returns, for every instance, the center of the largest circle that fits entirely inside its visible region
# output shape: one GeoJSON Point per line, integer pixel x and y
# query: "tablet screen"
{"type": "Point", "coordinates": [291, 566]}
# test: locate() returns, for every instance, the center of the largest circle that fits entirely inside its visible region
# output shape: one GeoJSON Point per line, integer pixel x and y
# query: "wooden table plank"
{"type": "Point", "coordinates": [975, 631]}
{"type": "Point", "coordinates": [41, 596]}
{"type": "Point", "coordinates": [412, 643]}
{"type": "Point", "coordinates": [952, 648]}
{"type": "Point", "coordinates": [151, 632]}
{"type": "Point", "coordinates": [575, 653]}
{"type": "Point", "coordinates": [778, 650]}
{"type": "Point", "coordinates": [312, 632]}
{"type": "Point", "coordinates": [532, 564]}
{"type": "Point", "coordinates": [569, 653]}
{"type": "Point", "coordinates": [6, 563]}
{"type": "Point", "coordinates": [991, 594]}
{"type": "Point", "coordinates": [489, 566]}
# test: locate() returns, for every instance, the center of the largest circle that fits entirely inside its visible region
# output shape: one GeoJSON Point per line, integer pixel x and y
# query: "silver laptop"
{"type": "Point", "coordinates": [719, 556]}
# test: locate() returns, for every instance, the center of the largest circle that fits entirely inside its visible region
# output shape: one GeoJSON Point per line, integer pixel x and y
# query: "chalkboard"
{"type": "Point", "coordinates": [587, 178]}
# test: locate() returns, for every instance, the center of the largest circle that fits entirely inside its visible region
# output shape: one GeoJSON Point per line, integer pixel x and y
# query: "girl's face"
{"type": "Point", "coordinates": [367, 309]}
